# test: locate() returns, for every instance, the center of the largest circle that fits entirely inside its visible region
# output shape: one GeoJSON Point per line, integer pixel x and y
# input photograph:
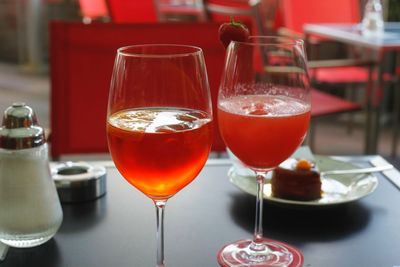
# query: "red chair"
{"type": "Point", "coordinates": [246, 11]}
{"type": "Point", "coordinates": [81, 61]}
{"type": "Point", "coordinates": [181, 10]}
{"type": "Point", "coordinates": [324, 105]}
{"type": "Point", "coordinates": [349, 69]}
{"type": "Point", "coordinates": [82, 58]}
{"type": "Point", "coordinates": [132, 11]}
{"type": "Point", "coordinates": [296, 13]}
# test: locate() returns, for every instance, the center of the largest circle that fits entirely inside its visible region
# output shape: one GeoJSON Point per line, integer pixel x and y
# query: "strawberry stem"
{"type": "Point", "coordinates": [235, 23]}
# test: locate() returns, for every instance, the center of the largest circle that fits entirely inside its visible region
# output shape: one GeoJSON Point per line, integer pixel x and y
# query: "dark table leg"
{"type": "Point", "coordinates": [396, 107]}
{"type": "Point", "coordinates": [375, 106]}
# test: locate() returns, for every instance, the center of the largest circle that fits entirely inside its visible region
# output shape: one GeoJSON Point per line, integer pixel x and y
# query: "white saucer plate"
{"type": "Point", "coordinates": [336, 189]}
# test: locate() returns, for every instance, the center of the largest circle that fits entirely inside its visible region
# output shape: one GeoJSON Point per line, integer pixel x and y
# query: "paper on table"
{"type": "Point", "coordinates": [392, 175]}
{"type": "Point", "coordinates": [3, 251]}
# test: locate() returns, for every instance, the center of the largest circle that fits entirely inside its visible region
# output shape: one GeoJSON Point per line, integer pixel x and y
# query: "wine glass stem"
{"type": "Point", "coordinates": [258, 230]}
{"type": "Point", "coordinates": [160, 206]}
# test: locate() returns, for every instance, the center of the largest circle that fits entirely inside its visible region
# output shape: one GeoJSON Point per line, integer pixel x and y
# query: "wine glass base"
{"type": "Point", "coordinates": [239, 254]}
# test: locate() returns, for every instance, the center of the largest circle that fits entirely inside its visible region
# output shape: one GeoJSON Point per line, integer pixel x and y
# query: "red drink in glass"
{"type": "Point", "coordinates": [263, 114]}
{"type": "Point", "coordinates": [159, 150]}
{"type": "Point", "coordinates": [159, 121]}
{"type": "Point", "coordinates": [271, 127]}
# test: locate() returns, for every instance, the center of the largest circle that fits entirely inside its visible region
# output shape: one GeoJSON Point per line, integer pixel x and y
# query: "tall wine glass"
{"type": "Point", "coordinates": [263, 114]}
{"type": "Point", "coordinates": [159, 121]}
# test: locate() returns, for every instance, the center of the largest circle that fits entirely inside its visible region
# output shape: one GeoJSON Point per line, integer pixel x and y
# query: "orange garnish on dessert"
{"type": "Point", "coordinates": [304, 165]}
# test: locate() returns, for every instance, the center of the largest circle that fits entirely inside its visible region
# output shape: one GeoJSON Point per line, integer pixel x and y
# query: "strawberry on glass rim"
{"type": "Point", "coordinates": [233, 31]}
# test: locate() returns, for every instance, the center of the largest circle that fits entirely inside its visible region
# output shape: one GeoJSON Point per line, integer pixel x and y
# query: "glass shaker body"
{"type": "Point", "coordinates": [30, 210]}
{"type": "Point", "coordinates": [372, 23]}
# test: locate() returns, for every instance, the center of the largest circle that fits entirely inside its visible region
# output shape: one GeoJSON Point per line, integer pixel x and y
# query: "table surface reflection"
{"type": "Point", "coordinates": [119, 228]}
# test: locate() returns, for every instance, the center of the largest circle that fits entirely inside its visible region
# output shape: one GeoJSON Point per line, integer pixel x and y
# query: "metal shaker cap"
{"type": "Point", "coordinates": [19, 129]}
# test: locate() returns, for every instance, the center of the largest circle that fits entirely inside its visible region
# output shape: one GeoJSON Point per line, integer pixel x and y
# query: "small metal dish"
{"type": "Point", "coordinates": [79, 181]}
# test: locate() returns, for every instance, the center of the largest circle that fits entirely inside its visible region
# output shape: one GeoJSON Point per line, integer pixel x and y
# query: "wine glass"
{"type": "Point", "coordinates": [159, 121]}
{"type": "Point", "coordinates": [263, 114]}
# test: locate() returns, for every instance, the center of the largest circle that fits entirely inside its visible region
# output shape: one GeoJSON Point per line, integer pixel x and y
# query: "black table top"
{"type": "Point", "coordinates": [119, 229]}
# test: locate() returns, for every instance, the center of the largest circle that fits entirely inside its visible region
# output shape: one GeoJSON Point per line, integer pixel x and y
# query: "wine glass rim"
{"type": "Point", "coordinates": [271, 40]}
{"type": "Point", "coordinates": [123, 51]}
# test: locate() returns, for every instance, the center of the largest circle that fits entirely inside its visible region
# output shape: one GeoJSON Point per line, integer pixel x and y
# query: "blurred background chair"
{"type": "Point", "coordinates": [331, 62]}
{"type": "Point", "coordinates": [132, 11]}
{"type": "Point", "coordinates": [94, 10]}
{"type": "Point", "coordinates": [82, 58]}
{"type": "Point", "coordinates": [348, 66]}
{"type": "Point", "coordinates": [181, 10]}
{"type": "Point", "coordinates": [332, 65]}
{"type": "Point", "coordinates": [326, 105]}
{"type": "Point", "coordinates": [246, 11]}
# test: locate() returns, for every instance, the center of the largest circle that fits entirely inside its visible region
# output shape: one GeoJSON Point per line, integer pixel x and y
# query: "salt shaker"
{"type": "Point", "coordinates": [30, 210]}
{"type": "Point", "coordinates": [372, 23]}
